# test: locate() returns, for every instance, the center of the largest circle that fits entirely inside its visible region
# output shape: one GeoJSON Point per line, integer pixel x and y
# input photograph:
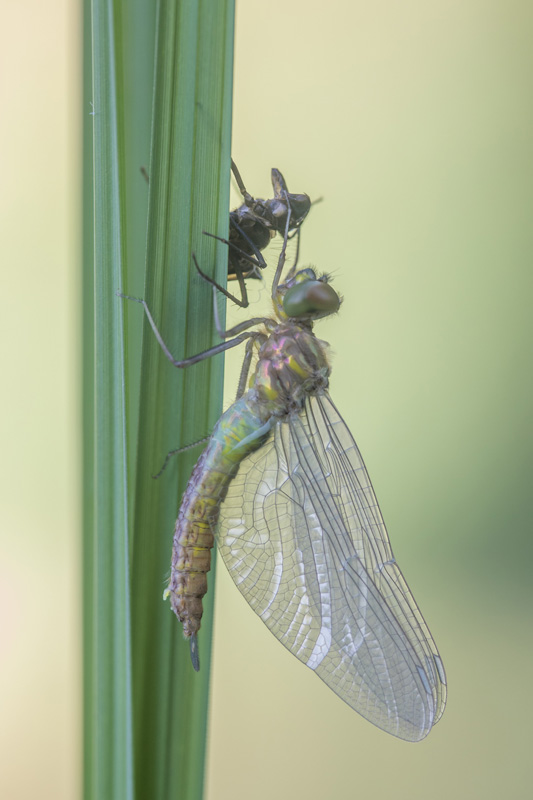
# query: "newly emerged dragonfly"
{"type": "Point", "coordinates": [285, 490]}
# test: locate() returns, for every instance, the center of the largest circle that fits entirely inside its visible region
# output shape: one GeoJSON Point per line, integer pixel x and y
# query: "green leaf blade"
{"type": "Point", "coordinates": [189, 193]}
{"type": "Point", "coordinates": [109, 741]}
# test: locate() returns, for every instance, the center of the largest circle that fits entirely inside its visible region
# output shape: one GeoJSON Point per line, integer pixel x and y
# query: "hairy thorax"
{"type": "Point", "coordinates": [292, 364]}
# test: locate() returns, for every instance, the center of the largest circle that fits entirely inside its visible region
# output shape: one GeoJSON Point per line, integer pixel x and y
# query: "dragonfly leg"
{"type": "Point", "coordinates": [242, 326]}
{"type": "Point", "coordinates": [248, 199]}
{"type": "Point", "coordinates": [245, 369]}
{"type": "Point", "coordinates": [297, 256]}
{"type": "Point", "coordinates": [176, 451]}
{"type": "Point", "coordinates": [243, 302]}
{"type": "Point", "coordinates": [281, 259]}
{"type": "Point", "coordinates": [256, 258]}
{"type": "Point", "coordinates": [297, 233]}
{"type": "Point", "coordinates": [187, 362]}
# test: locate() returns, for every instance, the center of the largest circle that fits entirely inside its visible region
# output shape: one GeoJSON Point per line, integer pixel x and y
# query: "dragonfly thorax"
{"type": "Point", "coordinates": [292, 365]}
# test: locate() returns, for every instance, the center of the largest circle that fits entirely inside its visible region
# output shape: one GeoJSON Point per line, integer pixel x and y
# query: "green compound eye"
{"type": "Point", "coordinates": [311, 299]}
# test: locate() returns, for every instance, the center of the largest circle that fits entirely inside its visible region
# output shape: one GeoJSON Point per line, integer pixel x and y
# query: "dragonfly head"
{"type": "Point", "coordinates": [305, 296]}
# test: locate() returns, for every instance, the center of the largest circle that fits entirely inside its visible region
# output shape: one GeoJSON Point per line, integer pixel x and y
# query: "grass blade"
{"type": "Point", "coordinates": [108, 706]}
{"type": "Point", "coordinates": [189, 193]}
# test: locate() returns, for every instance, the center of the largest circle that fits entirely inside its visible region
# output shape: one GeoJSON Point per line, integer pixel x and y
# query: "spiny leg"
{"type": "Point", "coordinates": [243, 302]}
{"type": "Point", "coordinates": [297, 256]}
{"type": "Point", "coordinates": [255, 258]}
{"type": "Point", "coordinates": [297, 233]}
{"type": "Point", "coordinates": [245, 369]}
{"type": "Point", "coordinates": [241, 326]}
{"type": "Point", "coordinates": [281, 259]}
{"type": "Point", "coordinates": [177, 450]}
{"type": "Point", "coordinates": [258, 261]}
{"type": "Point", "coordinates": [248, 199]}
{"type": "Point", "coordinates": [187, 362]}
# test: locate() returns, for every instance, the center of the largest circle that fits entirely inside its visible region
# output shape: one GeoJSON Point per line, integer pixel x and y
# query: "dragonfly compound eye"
{"type": "Point", "coordinates": [311, 299]}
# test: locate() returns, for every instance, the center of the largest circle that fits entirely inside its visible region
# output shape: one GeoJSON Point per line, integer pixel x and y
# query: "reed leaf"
{"type": "Point", "coordinates": [145, 707]}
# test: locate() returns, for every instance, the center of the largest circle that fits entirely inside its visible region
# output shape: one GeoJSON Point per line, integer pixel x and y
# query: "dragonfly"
{"type": "Point", "coordinates": [284, 489]}
{"type": "Point", "coordinates": [253, 225]}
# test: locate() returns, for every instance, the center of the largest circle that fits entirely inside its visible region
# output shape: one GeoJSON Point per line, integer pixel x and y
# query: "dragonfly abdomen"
{"type": "Point", "coordinates": [238, 432]}
{"type": "Point", "coordinates": [191, 555]}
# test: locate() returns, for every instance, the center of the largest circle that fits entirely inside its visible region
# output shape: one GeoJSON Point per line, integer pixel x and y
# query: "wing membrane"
{"type": "Point", "coordinates": [304, 540]}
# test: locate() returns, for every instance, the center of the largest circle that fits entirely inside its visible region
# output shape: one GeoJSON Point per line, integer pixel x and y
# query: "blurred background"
{"type": "Point", "coordinates": [414, 122]}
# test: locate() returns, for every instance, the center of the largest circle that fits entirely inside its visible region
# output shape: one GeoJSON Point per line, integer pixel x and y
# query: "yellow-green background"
{"type": "Point", "coordinates": [414, 121]}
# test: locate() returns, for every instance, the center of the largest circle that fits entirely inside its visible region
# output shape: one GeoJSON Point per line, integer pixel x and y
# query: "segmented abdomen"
{"type": "Point", "coordinates": [238, 432]}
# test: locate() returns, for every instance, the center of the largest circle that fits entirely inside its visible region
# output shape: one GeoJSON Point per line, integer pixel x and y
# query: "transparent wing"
{"type": "Point", "coordinates": [304, 540]}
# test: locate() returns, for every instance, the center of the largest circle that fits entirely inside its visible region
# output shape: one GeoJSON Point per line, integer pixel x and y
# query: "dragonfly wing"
{"type": "Point", "coordinates": [347, 478]}
{"type": "Point", "coordinates": [303, 538]}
